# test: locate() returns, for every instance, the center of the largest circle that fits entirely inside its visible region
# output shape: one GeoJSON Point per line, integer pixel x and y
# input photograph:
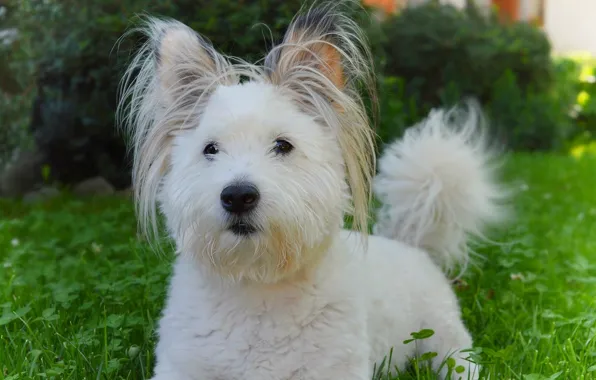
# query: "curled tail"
{"type": "Point", "coordinates": [437, 186]}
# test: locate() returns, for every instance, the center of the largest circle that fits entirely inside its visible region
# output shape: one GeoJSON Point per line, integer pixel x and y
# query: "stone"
{"type": "Point", "coordinates": [94, 186]}
{"type": "Point", "coordinates": [22, 175]}
{"type": "Point", "coordinates": [43, 194]}
{"type": "Point", "coordinates": [128, 192]}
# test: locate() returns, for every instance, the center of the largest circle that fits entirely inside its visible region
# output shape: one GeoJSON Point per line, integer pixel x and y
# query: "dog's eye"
{"type": "Point", "coordinates": [282, 147]}
{"type": "Point", "coordinates": [210, 149]}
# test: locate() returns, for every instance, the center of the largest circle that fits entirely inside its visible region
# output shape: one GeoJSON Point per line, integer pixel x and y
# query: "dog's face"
{"type": "Point", "coordinates": [258, 187]}
{"type": "Point", "coordinates": [253, 176]}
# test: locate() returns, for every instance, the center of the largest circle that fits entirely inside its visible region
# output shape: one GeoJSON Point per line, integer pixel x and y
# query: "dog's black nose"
{"type": "Point", "coordinates": [239, 198]}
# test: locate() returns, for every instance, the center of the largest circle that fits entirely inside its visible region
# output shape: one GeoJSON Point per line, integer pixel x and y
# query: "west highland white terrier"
{"type": "Point", "coordinates": [254, 168]}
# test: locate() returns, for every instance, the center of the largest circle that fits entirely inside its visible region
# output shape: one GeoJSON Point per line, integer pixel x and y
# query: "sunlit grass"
{"type": "Point", "coordinates": [81, 295]}
{"type": "Point", "coordinates": [580, 150]}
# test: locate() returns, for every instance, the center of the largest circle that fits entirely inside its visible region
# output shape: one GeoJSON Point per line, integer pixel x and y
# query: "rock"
{"type": "Point", "coordinates": [128, 192]}
{"type": "Point", "coordinates": [94, 186]}
{"type": "Point", "coordinates": [40, 195]}
{"type": "Point", "coordinates": [22, 175]}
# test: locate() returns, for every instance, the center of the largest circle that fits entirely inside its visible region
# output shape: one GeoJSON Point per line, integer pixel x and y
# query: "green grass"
{"type": "Point", "coordinates": [81, 295]}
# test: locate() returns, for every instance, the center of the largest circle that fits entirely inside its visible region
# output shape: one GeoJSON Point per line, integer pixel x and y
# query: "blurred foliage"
{"type": "Point", "coordinates": [444, 54]}
{"type": "Point", "coordinates": [398, 109]}
{"type": "Point", "coordinates": [68, 74]}
{"type": "Point", "coordinates": [578, 73]}
{"type": "Point", "coordinates": [528, 119]}
{"type": "Point", "coordinates": [59, 86]}
{"type": "Point", "coordinates": [433, 45]}
{"type": "Point", "coordinates": [14, 100]}
{"type": "Point", "coordinates": [77, 33]}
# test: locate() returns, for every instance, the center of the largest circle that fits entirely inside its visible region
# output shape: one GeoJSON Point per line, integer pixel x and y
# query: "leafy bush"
{"type": "Point", "coordinates": [529, 119]}
{"type": "Point", "coordinates": [445, 54]}
{"type": "Point", "coordinates": [578, 72]}
{"type": "Point", "coordinates": [64, 80]}
{"type": "Point", "coordinates": [13, 98]}
{"type": "Point", "coordinates": [398, 110]}
{"type": "Point", "coordinates": [73, 69]}
{"type": "Point", "coordinates": [434, 45]}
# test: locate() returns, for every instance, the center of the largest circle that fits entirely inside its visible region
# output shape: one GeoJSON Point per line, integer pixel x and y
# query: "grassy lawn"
{"type": "Point", "coordinates": [80, 294]}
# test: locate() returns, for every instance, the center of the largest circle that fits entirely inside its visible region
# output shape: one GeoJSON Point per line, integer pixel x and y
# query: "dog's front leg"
{"type": "Point", "coordinates": [342, 353]}
{"type": "Point", "coordinates": [165, 370]}
{"type": "Point", "coordinates": [354, 367]}
{"type": "Point", "coordinates": [170, 376]}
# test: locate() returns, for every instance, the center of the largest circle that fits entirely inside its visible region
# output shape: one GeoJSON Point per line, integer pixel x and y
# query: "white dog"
{"type": "Point", "coordinates": [254, 168]}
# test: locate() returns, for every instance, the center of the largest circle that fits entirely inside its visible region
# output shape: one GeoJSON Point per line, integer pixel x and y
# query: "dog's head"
{"type": "Point", "coordinates": [253, 166]}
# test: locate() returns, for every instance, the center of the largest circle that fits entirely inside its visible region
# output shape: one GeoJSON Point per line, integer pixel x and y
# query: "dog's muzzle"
{"type": "Point", "coordinates": [238, 200]}
{"type": "Point", "coordinates": [241, 228]}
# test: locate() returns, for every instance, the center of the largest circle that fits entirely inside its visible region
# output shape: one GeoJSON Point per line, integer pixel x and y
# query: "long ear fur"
{"type": "Point", "coordinates": [167, 83]}
{"type": "Point", "coordinates": [324, 62]}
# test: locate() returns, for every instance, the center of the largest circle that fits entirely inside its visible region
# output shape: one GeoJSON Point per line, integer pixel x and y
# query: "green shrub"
{"type": "Point", "coordinates": [579, 75]}
{"type": "Point", "coordinates": [398, 110]}
{"type": "Point", "coordinates": [72, 70]}
{"type": "Point", "coordinates": [433, 45]}
{"type": "Point", "coordinates": [444, 54]}
{"type": "Point", "coordinates": [431, 55]}
{"type": "Point", "coordinates": [14, 99]}
{"type": "Point", "coordinates": [529, 119]}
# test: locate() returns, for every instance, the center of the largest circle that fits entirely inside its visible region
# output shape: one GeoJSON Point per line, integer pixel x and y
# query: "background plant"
{"type": "Point", "coordinates": [67, 77]}
{"type": "Point", "coordinates": [63, 82]}
{"type": "Point", "coordinates": [443, 54]}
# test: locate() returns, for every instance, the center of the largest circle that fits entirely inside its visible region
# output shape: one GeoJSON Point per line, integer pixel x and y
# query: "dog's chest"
{"type": "Point", "coordinates": [261, 338]}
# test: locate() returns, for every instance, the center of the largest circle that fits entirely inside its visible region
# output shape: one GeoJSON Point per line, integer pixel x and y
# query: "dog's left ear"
{"type": "Point", "coordinates": [309, 49]}
{"type": "Point", "coordinates": [323, 64]}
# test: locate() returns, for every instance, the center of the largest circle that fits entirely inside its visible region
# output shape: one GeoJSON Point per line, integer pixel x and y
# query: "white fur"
{"type": "Point", "coordinates": [437, 185]}
{"type": "Point", "coordinates": [300, 298]}
{"type": "Point", "coordinates": [336, 324]}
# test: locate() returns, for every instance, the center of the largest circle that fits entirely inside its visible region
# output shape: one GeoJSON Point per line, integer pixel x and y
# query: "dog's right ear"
{"type": "Point", "coordinates": [163, 92]}
{"type": "Point", "coordinates": [187, 65]}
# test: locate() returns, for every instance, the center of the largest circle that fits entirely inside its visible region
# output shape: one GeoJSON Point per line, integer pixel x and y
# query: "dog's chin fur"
{"type": "Point", "coordinates": [269, 259]}
{"type": "Point", "coordinates": [267, 286]}
{"type": "Point", "coordinates": [273, 254]}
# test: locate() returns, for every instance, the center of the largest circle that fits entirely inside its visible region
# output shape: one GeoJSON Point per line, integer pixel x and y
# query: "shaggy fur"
{"type": "Point", "coordinates": [437, 186]}
{"type": "Point", "coordinates": [276, 289]}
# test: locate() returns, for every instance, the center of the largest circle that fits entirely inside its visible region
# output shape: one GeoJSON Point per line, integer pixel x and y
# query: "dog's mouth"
{"type": "Point", "coordinates": [241, 228]}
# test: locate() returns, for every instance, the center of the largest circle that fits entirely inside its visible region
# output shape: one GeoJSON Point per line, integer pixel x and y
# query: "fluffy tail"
{"type": "Point", "coordinates": [437, 186]}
